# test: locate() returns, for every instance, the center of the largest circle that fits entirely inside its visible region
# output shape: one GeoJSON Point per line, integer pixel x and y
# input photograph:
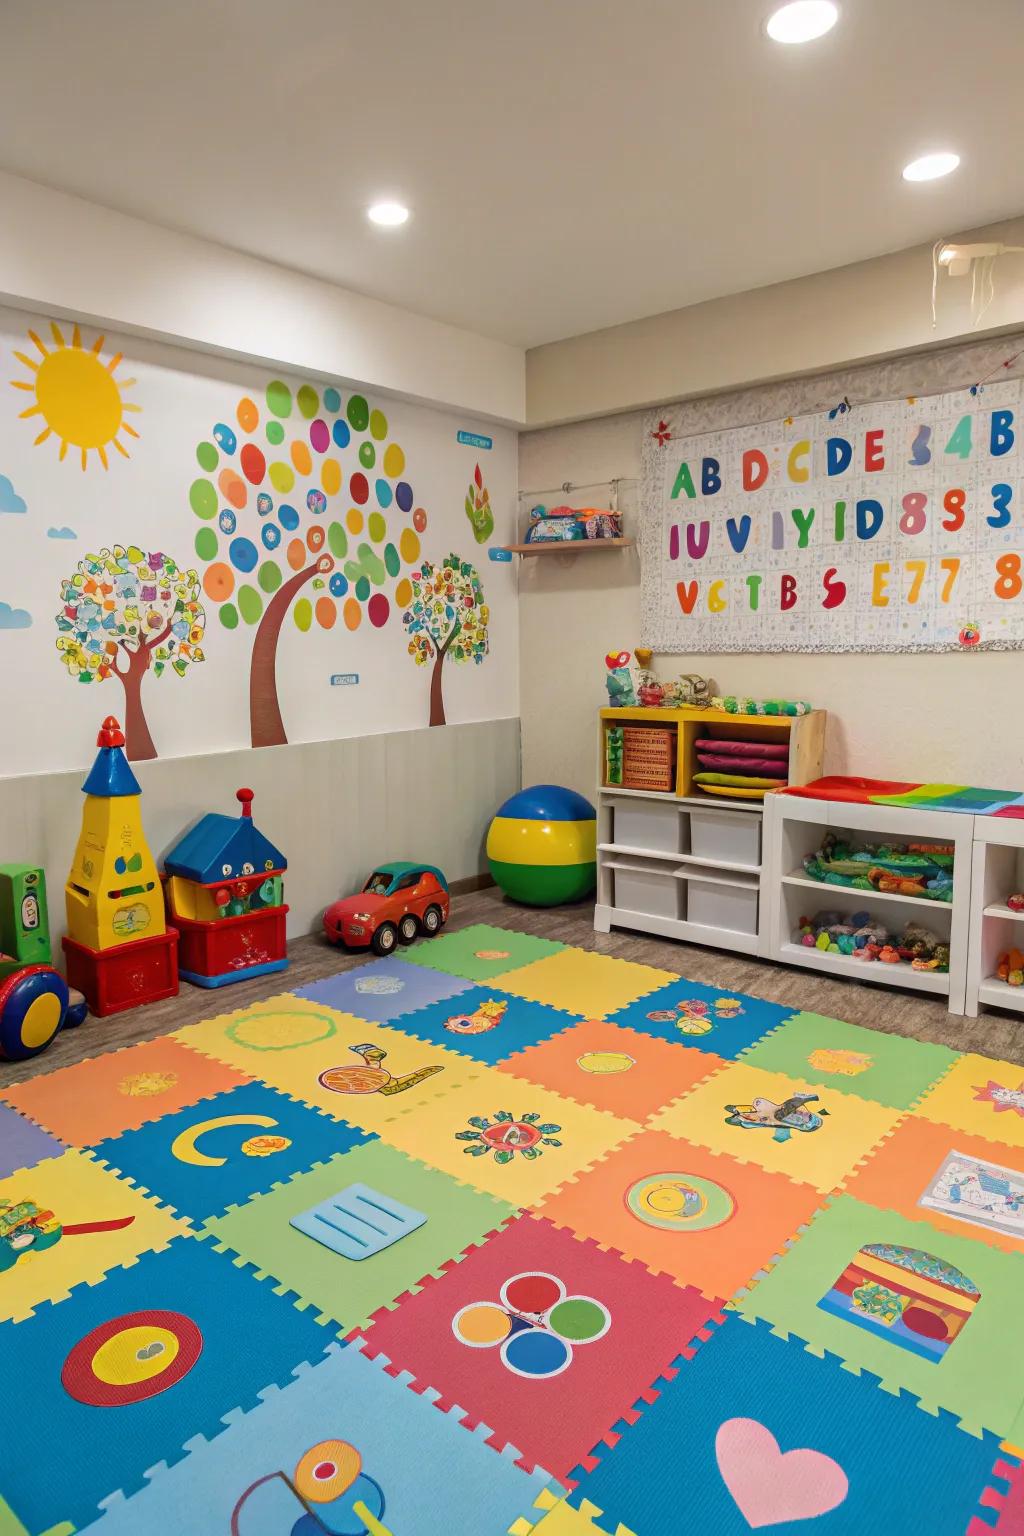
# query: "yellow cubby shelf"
{"type": "Point", "coordinates": [681, 863]}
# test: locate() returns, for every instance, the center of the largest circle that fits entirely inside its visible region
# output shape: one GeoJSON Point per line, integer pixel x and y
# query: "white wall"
{"type": "Point", "coordinates": [334, 808]}
{"type": "Point", "coordinates": [870, 309]}
{"type": "Point", "coordinates": [67, 256]}
{"type": "Point", "coordinates": [952, 717]}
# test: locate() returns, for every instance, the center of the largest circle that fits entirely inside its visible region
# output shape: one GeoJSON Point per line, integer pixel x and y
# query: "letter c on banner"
{"type": "Point", "coordinates": [716, 598]}
{"type": "Point", "coordinates": [801, 450]}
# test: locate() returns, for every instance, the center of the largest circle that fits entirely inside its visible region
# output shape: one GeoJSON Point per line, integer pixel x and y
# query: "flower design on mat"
{"type": "Point", "coordinates": [147, 1085]}
{"type": "Point", "coordinates": [1000, 1097]}
{"type": "Point", "coordinates": [506, 1136]}
{"type": "Point", "coordinates": [534, 1324]}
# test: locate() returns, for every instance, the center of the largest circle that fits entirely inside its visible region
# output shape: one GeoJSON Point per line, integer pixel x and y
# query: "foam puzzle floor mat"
{"type": "Point", "coordinates": [504, 1238]}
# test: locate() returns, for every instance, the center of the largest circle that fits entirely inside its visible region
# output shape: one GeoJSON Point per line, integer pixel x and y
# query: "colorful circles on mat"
{"type": "Point", "coordinates": [679, 1202]}
{"type": "Point", "coordinates": [130, 1358]}
{"type": "Point", "coordinates": [534, 1324]}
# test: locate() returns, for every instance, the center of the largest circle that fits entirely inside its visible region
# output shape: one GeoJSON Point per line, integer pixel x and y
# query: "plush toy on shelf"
{"type": "Point", "coordinates": [900, 869]}
{"type": "Point", "coordinates": [1011, 968]}
{"type": "Point", "coordinates": [736, 706]}
{"type": "Point", "coordinates": [1016, 902]}
{"type": "Point", "coordinates": [623, 680]}
{"type": "Point", "coordinates": [859, 937]}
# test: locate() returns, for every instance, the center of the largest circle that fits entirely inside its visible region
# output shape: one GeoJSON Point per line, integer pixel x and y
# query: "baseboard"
{"type": "Point", "coordinates": [470, 883]}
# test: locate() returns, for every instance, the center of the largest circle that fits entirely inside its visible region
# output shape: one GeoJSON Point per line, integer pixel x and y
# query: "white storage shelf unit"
{"type": "Point", "coordinates": [795, 827]}
{"type": "Point", "coordinates": [998, 873]}
{"type": "Point", "coordinates": [680, 867]}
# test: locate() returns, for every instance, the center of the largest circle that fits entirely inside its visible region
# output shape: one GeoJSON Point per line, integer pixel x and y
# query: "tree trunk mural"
{"type": "Point", "coordinates": [139, 744]}
{"type": "Point", "coordinates": [436, 693]}
{"type": "Point", "coordinates": [266, 725]}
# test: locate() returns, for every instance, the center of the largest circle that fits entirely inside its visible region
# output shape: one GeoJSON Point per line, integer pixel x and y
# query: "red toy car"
{"type": "Point", "coordinates": [396, 903]}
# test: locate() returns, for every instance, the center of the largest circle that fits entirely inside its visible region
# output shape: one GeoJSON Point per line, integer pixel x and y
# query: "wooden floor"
{"type": "Point", "coordinates": [884, 1008]}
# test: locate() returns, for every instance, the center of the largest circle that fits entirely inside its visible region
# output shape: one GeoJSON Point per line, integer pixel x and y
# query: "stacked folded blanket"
{"type": "Point", "coordinates": [740, 769]}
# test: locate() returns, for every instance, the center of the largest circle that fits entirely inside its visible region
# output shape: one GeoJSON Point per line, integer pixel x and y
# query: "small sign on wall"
{"type": "Point", "coordinates": [344, 679]}
{"type": "Point", "coordinates": [474, 440]}
{"type": "Point", "coordinates": [499, 554]}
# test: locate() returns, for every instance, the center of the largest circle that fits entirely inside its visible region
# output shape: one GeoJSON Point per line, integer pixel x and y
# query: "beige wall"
{"type": "Point", "coordinates": [871, 309]}
{"type": "Point", "coordinates": [334, 808]}
{"type": "Point", "coordinates": [70, 257]}
{"type": "Point", "coordinates": [947, 717]}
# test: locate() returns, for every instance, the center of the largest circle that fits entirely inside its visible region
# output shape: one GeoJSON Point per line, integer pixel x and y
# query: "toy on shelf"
{"type": "Point", "coordinates": [921, 870]}
{"type": "Point", "coordinates": [568, 525]}
{"type": "Point", "coordinates": [631, 683]}
{"type": "Point", "coordinates": [396, 903]}
{"type": "Point", "coordinates": [1015, 902]}
{"type": "Point", "coordinates": [1010, 968]}
{"type": "Point", "coordinates": [736, 706]}
{"type": "Point", "coordinates": [542, 846]}
{"type": "Point", "coordinates": [860, 937]}
{"type": "Point", "coordinates": [119, 950]}
{"type": "Point", "coordinates": [224, 896]}
{"type": "Point", "coordinates": [35, 1002]}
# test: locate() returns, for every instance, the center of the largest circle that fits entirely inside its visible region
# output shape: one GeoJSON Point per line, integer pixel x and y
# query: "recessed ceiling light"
{"type": "Point", "coordinates": [802, 21]}
{"type": "Point", "coordinates": [390, 215]}
{"type": "Point", "coordinates": [930, 167]}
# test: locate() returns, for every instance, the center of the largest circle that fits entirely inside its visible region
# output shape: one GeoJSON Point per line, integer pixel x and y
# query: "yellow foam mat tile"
{"type": "Point", "coordinates": [557, 1518]}
{"type": "Point", "coordinates": [76, 1191]}
{"type": "Point", "coordinates": [582, 1136]}
{"type": "Point", "coordinates": [584, 984]}
{"type": "Point", "coordinates": [309, 1051]}
{"type": "Point", "coordinates": [727, 1113]}
{"type": "Point", "coordinates": [982, 1096]}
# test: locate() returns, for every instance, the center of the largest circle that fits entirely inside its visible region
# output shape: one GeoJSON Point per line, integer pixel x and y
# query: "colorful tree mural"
{"type": "Point", "coordinates": [447, 617]}
{"type": "Point", "coordinates": [123, 613]}
{"type": "Point", "coordinates": [478, 508]}
{"type": "Point", "coordinates": [267, 488]}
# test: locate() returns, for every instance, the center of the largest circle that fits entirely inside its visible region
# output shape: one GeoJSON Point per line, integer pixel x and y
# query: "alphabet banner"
{"type": "Point", "coordinates": [889, 527]}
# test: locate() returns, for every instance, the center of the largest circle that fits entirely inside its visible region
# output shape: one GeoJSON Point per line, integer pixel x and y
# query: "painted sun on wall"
{"type": "Point", "coordinates": [76, 395]}
{"type": "Point", "coordinates": [274, 540]}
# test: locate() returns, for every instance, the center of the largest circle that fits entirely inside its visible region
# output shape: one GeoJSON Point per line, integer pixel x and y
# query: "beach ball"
{"type": "Point", "coordinates": [542, 846]}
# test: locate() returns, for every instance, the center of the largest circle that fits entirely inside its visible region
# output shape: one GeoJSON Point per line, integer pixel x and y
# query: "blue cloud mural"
{"type": "Point", "coordinates": [10, 501]}
{"type": "Point", "coordinates": [61, 533]}
{"type": "Point", "coordinates": [14, 618]}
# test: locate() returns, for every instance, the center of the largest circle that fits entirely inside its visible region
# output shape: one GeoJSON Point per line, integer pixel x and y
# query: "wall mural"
{"type": "Point", "coordinates": [311, 547]}
{"type": "Point", "coordinates": [122, 613]}
{"type": "Point", "coordinates": [77, 395]}
{"type": "Point", "coordinates": [447, 617]}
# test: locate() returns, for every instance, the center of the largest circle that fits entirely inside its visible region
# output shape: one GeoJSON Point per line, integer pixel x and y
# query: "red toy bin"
{"type": "Point", "coordinates": [113, 980]}
{"type": "Point", "coordinates": [228, 949]}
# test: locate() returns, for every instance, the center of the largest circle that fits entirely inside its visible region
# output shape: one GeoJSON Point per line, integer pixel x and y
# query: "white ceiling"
{"type": "Point", "coordinates": [570, 164]}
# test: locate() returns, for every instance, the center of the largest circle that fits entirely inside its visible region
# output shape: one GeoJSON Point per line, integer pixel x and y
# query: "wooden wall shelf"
{"type": "Point", "coordinates": [568, 546]}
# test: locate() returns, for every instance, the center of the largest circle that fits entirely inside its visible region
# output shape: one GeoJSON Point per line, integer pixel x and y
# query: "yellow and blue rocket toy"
{"type": "Point", "coordinates": [542, 846]}
{"type": "Point", "coordinates": [113, 893]}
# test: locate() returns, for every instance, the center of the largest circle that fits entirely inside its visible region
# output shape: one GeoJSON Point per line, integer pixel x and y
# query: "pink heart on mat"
{"type": "Point", "coordinates": [770, 1487]}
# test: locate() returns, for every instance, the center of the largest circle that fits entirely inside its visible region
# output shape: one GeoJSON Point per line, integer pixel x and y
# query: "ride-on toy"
{"type": "Point", "coordinates": [396, 903]}
{"type": "Point", "coordinates": [35, 1001]}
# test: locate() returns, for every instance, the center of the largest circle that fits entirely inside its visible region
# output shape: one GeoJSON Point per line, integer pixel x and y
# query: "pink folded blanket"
{"type": "Point", "coordinates": [744, 748]}
{"type": "Point", "coordinates": [722, 762]}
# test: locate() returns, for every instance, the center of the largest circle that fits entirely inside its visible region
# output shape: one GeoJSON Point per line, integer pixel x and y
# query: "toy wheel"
{"type": "Point", "coordinates": [385, 939]}
{"type": "Point", "coordinates": [432, 920]}
{"type": "Point", "coordinates": [33, 1003]}
{"type": "Point", "coordinates": [408, 928]}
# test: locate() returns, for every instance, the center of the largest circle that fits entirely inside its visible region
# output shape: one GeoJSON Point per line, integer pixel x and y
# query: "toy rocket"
{"type": "Point", "coordinates": [113, 892]}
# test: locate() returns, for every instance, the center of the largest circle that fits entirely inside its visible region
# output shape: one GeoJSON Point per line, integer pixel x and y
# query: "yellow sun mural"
{"type": "Point", "coordinates": [77, 395]}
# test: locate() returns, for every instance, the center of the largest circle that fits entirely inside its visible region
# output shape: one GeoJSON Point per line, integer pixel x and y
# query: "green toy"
{"type": "Point", "coordinates": [24, 920]}
{"type": "Point", "coordinates": [735, 706]}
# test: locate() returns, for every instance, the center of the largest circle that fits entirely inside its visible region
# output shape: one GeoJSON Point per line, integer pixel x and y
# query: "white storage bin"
{"type": "Point", "coordinates": [648, 890]}
{"type": "Point", "coordinates": [712, 905]}
{"type": "Point", "coordinates": [647, 824]}
{"type": "Point", "coordinates": [733, 837]}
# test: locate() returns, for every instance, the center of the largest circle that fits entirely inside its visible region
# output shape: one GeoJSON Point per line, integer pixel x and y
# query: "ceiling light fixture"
{"type": "Point", "coordinates": [931, 167]}
{"type": "Point", "coordinates": [387, 215]}
{"type": "Point", "coordinates": [802, 21]}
